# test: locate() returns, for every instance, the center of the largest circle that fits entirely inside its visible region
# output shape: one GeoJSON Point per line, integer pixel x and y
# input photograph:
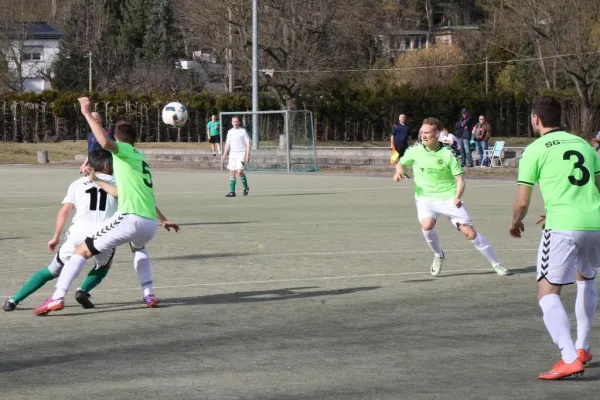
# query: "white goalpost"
{"type": "Point", "coordinates": [286, 139]}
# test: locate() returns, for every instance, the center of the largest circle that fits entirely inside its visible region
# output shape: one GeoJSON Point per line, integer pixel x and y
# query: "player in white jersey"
{"type": "Point", "coordinates": [93, 206]}
{"type": "Point", "coordinates": [237, 146]}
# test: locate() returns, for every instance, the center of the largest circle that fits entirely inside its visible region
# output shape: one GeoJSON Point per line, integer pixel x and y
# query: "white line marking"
{"type": "Point", "coordinates": [258, 282]}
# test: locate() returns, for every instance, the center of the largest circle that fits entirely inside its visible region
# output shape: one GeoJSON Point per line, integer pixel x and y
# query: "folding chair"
{"type": "Point", "coordinates": [492, 154]}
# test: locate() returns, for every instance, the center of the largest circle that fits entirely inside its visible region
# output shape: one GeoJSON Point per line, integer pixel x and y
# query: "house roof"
{"type": "Point", "coordinates": [32, 30]}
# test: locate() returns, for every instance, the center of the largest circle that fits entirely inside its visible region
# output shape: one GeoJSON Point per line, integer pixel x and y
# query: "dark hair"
{"type": "Point", "coordinates": [548, 110]}
{"type": "Point", "coordinates": [98, 159]}
{"type": "Point", "coordinates": [125, 132]}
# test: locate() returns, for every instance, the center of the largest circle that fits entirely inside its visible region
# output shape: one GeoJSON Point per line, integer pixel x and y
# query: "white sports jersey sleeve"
{"type": "Point", "coordinates": [237, 139]}
{"type": "Point", "coordinates": [92, 204]}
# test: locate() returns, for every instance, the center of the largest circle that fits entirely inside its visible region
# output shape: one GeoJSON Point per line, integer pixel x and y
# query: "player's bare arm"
{"type": "Point", "coordinates": [399, 175]}
{"type": "Point", "coordinates": [248, 147]}
{"type": "Point", "coordinates": [520, 209]}
{"type": "Point", "coordinates": [61, 220]}
{"type": "Point", "coordinates": [225, 151]}
{"type": "Point", "coordinates": [460, 190]}
{"type": "Point", "coordinates": [99, 133]}
{"type": "Point", "coordinates": [168, 225]}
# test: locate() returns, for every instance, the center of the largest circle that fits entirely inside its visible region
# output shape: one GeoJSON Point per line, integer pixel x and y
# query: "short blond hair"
{"type": "Point", "coordinates": [432, 121]}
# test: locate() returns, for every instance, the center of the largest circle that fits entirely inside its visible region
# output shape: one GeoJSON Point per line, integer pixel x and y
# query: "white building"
{"type": "Point", "coordinates": [33, 48]}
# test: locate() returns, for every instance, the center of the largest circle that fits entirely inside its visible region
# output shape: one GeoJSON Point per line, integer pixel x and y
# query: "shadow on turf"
{"type": "Point", "coordinates": [14, 238]}
{"type": "Point", "coordinates": [296, 194]}
{"type": "Point", "coordinates": [217, 223]}
{"type": "Point", "coordinates": [258, 296]}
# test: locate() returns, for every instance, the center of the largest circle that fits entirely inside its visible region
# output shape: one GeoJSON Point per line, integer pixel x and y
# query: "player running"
{"type": "Point", "coordinates": [568, 171]}
{"type": "Point", "coordinates": [93, 206]}
{"type": "Point", "coordinates": [133, 223]}
{"type": "Point", "coordinates": [439, 187]}
{"type": "Point", "coordinates": [237, 146]}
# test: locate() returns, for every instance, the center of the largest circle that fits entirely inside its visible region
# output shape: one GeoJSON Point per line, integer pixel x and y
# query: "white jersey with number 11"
{"type": "Point", "coordinates": [92, 204]}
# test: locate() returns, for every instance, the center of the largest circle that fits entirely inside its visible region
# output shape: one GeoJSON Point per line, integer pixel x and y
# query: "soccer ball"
{"type": "Point", "coordinates": [175, 114]}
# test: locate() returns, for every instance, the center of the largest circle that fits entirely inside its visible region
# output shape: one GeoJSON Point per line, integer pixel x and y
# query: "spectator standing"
{"type": "Point", "coordinates": [464, 129]}
{"type": "Point", "coordinates": [400, 139]}
{"type": "Point", "coordinates": [482, 132]}
{"type": "Point", "coordinates": [213, 129]}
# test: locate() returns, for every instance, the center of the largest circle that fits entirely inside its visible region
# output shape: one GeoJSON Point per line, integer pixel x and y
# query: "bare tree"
{"type": "Point", "coordinates": [564, 38]}
{"type": "Point", "coordinates": [299, 39]}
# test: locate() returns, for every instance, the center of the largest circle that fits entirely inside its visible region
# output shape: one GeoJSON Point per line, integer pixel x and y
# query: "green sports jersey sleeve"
{"type": "Point", "coordinates": [597, 167]}
{"type": "Point", "coordinates": [409, 157]}
{"type": "Point", "coordinates": [454, 164]}
{"type": "Point", "coordinates": [528, 166]}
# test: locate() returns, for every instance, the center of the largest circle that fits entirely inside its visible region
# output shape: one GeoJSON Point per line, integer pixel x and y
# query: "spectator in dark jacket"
{"type": "Point", "coordinates": [401, 136]}
{"type": "Point", "coordinates": [482, 132]}
{"type": "Point", "coordinates": [464, 127]}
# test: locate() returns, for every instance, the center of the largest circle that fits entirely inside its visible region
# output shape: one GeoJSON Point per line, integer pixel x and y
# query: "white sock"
{"type": "Point", "coordinates": [433, 241]}
{"type": "Point", "coordinates": [558, 325]}
{"type": "Point", "coordinates": [483, 246]}
{"type": "Point", "coordinates": [143, 268]}
{"type": "Point", "coordinates": [585, 308]}
{"type": "Point", "coordinates": [69, 273]}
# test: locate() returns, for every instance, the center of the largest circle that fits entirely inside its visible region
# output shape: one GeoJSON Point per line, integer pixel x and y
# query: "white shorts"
{"type": "Point", "coordinates": [236, 161]}
{"type": "Point", "coordinates": [561, 253]}
{"type": "Point", "coordinates": [73, 238]}
{"type": "Point", "coordinates": [121, 229]}
{"type": "Point", "coordinates": [434, 208]}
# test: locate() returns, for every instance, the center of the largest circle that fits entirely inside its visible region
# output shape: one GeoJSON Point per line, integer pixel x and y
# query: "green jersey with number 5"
{"type": "Point", "coordinates": [134, 180]}
{"type": "Point", "coordinates": [565, 166]}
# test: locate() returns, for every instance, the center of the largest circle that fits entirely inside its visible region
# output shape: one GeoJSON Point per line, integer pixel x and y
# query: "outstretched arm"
{"type": "Point", "coordinates": [101, 136]}
{"type": "Point", "coordinates": [165, 222]}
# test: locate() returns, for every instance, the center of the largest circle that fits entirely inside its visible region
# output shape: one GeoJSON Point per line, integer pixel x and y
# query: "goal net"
{"type": "Point", "coordinates": [286, 139]}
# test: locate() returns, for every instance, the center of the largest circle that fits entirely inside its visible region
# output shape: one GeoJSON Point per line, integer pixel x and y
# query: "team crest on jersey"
{"type": "Point", "coordinates": [440, 161]}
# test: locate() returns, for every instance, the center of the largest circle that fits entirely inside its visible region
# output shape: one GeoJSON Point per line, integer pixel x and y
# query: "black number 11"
{"type": "Point", "coordinates": [94, 199]}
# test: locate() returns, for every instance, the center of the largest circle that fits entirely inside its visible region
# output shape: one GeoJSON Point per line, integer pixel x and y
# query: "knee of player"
{"type": "Point", "coordinates": [241, 172]}
{"type": "Point", "coordinates": [469, 232]}
{"type": "Point", "coordinates": [83, 250]}
{"type": "Point", "coordinates": [428, 224]}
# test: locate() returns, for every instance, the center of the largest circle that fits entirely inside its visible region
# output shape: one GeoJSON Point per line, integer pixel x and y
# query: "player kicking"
{"type": "Point", "coordinates": [237, 146]}
{"type": "Point", "coordinates": [568, 171]}
{"type": "Point", "coordinates": [133, 223]}
{"type": "Point", "coordinates": [439, 187]}
{"type": "Point", "coordinates": [93, 206]}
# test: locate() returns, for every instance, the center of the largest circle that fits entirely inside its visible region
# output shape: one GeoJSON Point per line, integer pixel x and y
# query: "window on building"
{"type": "Point", "coordinates": [33, 53]}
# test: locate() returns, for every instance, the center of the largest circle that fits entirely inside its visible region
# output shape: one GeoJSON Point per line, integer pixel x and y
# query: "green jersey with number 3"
{"type": "Point", "coordinates": [565, 166]}
{"type": "Point", "coordinates": [132, 173]}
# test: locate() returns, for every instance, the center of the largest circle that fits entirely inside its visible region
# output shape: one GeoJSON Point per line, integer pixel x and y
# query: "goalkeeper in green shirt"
{"type": "Point", "coordinates": [439, 187]}
{"type": "Point", "coordinates": [133, 223]}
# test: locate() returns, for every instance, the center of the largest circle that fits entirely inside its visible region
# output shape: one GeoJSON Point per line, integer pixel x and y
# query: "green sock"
{"type": "Point", "coordinates": [93, 279]}
{"type": "Point", "coordinates": [244, 181]}
{"type": "Point", "coordinates": [232, 184]}
{"type": "Point", "coordinates": [36, 281]}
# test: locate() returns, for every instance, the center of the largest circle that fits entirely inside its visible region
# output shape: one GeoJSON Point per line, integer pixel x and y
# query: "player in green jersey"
{"type": "Point", "coordinates": [439, 187]}
{"type": "Point", "coordinates": [567, 170]}
{"type": "Point", "coordinates": [133, 223]}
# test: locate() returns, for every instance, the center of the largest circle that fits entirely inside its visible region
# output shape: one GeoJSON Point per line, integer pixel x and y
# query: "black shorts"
{"type": "Point", "coordinates": [401, 148]}
{"type": "Point", "coordinates": [214, 139]}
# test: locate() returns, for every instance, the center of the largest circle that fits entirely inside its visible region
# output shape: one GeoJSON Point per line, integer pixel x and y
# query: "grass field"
{"type": "Point", "coordinates": [312, 287]}
{"type": "Point", "coordinates": [25, 153]}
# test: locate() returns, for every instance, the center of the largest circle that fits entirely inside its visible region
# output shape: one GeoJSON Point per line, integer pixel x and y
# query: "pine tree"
{"type": "Point", "coordinates": [157, 40]}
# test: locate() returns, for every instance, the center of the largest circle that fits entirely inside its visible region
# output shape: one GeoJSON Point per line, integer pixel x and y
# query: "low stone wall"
{"type": "Point", "coordinates": [331, 158]}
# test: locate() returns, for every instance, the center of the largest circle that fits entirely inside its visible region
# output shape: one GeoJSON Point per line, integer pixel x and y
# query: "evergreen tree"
{"type": "Point", "coordinates": [157, 40]}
